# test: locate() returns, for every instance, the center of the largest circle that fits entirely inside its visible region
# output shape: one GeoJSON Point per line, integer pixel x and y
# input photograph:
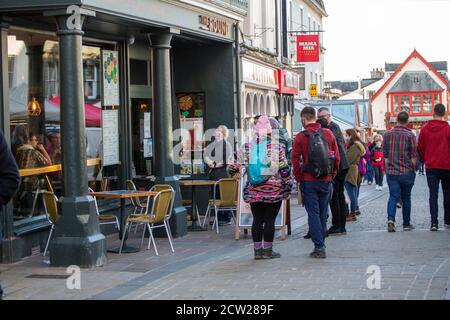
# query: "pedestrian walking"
{"type": "Point", "coordinates": [378, 164]}
{"type": "Point", "coordinates": [337, 203]}
{"type": "Point", "coordinates": [400, 153]}
{"type": "Point", "coordinates": [315, 160]}
{"type": "Point", "coordinates": [10, 180]}
{"type": "Point", "coordinates": [269, 183]}
{"type": "Point", "coordinates": [434, 149]}
{"type": "Point", "coordinates": [355, 150]}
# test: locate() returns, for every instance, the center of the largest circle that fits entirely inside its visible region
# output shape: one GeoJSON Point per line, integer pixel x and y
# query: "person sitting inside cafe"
{"type": "Point", "coordinates": [30, 155]}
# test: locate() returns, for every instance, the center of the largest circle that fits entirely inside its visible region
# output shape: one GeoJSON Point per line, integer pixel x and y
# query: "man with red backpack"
{"type": "Point", "coordinates": [315, 160]}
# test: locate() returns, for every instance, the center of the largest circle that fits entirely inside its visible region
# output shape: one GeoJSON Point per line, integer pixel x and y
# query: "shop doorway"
{"type": "Point", "coordinates": [141, 118]}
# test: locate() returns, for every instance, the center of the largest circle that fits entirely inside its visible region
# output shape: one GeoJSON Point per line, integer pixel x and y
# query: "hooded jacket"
{"type": "Point", "coordinates": [434, 145]}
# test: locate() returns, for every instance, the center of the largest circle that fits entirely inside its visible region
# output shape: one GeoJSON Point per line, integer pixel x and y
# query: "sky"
{"type": "Point", "coordinates": [364, 34]}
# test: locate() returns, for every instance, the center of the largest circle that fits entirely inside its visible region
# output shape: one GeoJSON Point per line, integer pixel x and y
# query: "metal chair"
{"type": "Point", "coordinates": [47, 186]}
{"type": "Point", "coordinates": [105, 218]}
{"type": "Point", "coordinates": [161, 212]}
{"type": "Point", "coordinates": [51, 211]}
{"type": "Point", "coordinates": [228, 191]}
{"type": "Point", "coordinates": [138, 205]}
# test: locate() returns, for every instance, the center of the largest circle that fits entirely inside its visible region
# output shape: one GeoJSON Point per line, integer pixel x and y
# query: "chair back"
{"type": "Point", "coordinates": [131, 186]}
{"type": "Point", "coordinates": [50, 206]}
{"type": "Point", "coordinates": [95, 201]}
{"type": "Point", "coordinates": [162, 205]}
{"type": "Point", "coordinates": [228, 188]}
{"type": "Point", "coordinates": [161, 187]}
{"type": "Point", "coordinates": [48, 184]}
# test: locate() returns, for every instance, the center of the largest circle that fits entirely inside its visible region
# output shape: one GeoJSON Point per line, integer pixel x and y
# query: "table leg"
{"type": "Point", "coordinates": [195, 226]}
{"type": "Point", "coordinates": [125, 249]}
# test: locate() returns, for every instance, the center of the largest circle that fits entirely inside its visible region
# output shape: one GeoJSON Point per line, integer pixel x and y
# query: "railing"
{"type": "Point", "coordinates": [240, 6]}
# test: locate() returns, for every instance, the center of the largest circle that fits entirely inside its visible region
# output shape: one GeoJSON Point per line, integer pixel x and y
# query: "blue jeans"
{"type": "Point", "coordinates": [352, 192]}
{"type": "Point", "coordinates": [369, 174]}
{"type": "Point", "coordinates": [400, 189]}
{"type": "Point", "coordinates": [316, 199]}
{"type": "Point", "coordinates": [434, 177]}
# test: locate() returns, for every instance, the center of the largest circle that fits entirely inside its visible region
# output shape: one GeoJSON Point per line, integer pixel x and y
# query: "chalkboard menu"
{"type": "Point", "coordinates": [110, 137]}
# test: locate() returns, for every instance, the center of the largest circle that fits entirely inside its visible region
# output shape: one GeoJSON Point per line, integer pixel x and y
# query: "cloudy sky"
{"type": "Point", "coordinates": [364, 34]}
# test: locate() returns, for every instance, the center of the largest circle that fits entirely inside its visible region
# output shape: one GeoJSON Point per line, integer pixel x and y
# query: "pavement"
{"type": "Point", "coordinates": [367, 263]}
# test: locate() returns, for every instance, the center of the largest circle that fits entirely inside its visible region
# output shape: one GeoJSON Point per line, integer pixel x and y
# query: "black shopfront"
{"type": "Point", "coordinates": [55, 62]}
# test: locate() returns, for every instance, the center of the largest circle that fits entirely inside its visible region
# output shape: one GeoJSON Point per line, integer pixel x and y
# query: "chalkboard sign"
{"type": "Point", "coordinates": [244, 214]}
{"type": "Point", "coordinates": [110, 135]}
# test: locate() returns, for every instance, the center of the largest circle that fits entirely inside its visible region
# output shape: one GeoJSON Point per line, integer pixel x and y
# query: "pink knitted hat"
{"type": "Point", "coordinates": [263, 126]}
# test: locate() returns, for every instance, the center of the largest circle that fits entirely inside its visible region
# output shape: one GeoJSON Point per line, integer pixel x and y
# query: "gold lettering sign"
{"type": "Point", "coordinates": [214, 25]}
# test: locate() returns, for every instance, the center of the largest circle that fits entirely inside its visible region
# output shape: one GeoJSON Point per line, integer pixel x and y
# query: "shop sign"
{"type": "Point", "coordinates": [214, 25]}
{"type": "Point", "coordinates": [260, 75]}
{"type": "Point", "coordinates": [288, 82]}
{"type": "Point", "coordinates": [308, 48]}
{"type": "Point", "coordinates": [313, 90]}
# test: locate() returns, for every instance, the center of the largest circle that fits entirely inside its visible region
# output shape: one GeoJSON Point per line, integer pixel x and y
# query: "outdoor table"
{"type": "Point", "coordinates": [193, 184]}
{"type": "Point", "coordinates": [122, 195]}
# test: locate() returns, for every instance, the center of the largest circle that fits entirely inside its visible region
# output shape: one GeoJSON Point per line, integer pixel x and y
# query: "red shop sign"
{"type": "Point", "coordinates": [288, 82]}
{"type": "Point", "coordinates": [308, 48]}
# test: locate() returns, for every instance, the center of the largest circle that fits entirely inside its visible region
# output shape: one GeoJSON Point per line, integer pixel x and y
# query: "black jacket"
{"type": "Point", "coordinates": [341, 145]}
{"type": "Point", "coordinates": [9, 173]}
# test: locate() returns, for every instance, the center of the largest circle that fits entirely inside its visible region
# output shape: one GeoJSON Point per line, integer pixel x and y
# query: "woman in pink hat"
{"type": "Point", "coordinates": [269, 183]}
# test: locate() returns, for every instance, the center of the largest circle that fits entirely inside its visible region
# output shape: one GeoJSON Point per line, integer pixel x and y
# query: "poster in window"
{"type": "Point", "coordinates": [191, 105]}
{"type": "Point", "coordinates": [110, 137]}
{"type": "Point", "coordinates": [110, 78]}
{"type": "Point", "coordinates": [147, 125]}
{"type": "Point", "coordinates": [148, 148]}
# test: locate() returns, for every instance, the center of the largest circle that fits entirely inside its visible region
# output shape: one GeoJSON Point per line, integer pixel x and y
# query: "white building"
{"type": "Point", "coordinates": [306, 16]}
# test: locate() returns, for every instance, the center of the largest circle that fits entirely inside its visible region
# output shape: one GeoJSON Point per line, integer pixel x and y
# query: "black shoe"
{"type": "Point", "coordinates": [307, 236]}
{"type": "Point", "coordinates": [408, 227]}
{"type": "Point", "coordinates": [337, 231]}
{"type": "Point", "coordinates": [318, 253]}
{"type": "Point", "coordinates": [268, 253]}
{"type": "Point", "coordinates": [258, 254]}
{"type": "Point", "coordinates": [434, 227]}
{"type": "Point", "coordinates": [357, 212]}
{"type": "Point", "coordinates": [391, 226]}
{"type": "Point", "coordinates": [399, 205]}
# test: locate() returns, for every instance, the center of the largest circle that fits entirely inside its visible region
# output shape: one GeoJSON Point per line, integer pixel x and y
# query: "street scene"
{"type": "Point", "coordinates": [224, 150]}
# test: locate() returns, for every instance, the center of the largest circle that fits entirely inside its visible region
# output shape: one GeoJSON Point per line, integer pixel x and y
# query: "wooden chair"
{"type": "Point", "coordinates": [159, 214]}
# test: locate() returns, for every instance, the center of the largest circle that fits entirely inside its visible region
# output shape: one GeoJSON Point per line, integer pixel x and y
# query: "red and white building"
{"type": "Point", "coordinates": [415, 86]}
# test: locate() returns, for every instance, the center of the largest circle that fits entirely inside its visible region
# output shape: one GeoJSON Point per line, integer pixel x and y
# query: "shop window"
{"type": "Point", "coordinates": [437, 99]}
{"type": "Point", "coordinates": [192, 112]}
{"type": "Point", "coordinates": [139, 74]}
{"type": "Point", "coordinates": [35, 119]}
{"type": "Point", "coordinates": [416, 104]}
{"type": "Point", "coordinates": [427, 103]}
{"type": "Point", "coordinates": [405, 104]}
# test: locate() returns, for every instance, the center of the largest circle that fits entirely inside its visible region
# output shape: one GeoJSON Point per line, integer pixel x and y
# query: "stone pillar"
{"type": "Point", "coordinates": [162, 123]}
{"type": "Point", "coordinates": [77, 239]}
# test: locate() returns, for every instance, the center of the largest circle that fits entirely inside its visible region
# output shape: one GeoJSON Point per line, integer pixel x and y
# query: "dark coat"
{"type": "Point", "coordinates": [9, 173]}
{"type": "Point", "coordinates": [341, 145]}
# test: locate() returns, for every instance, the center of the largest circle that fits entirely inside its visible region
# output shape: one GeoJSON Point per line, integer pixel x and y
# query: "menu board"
{"type": "Point", "coordinates": [245, 216]}
{"type": "Point", "coordinates": [110, 137]}
{"type": "Point", "coordinates": [147, 125]}
{"type": "Point", "coordinates": [110, 72]}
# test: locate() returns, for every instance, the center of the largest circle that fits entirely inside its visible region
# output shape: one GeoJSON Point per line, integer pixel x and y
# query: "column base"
{"type": "Point", "coordinates": [77, 239]}
{"type": "Point", "coordinates": [12, 250]}
{"type": "Point", "coordinates": [178, 221]}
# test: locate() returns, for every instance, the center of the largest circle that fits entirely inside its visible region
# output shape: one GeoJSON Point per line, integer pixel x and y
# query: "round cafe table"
{"type": "Point", "coordinates": [194, 184]}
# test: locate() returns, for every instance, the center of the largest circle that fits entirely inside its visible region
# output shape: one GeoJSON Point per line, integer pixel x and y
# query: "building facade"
{"type": "Point", "coordinates": [414, 86]}
{"type": "Point", "coordinates": [102, 85]}
{"type": "Point", "coordinates": [305, 17]}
